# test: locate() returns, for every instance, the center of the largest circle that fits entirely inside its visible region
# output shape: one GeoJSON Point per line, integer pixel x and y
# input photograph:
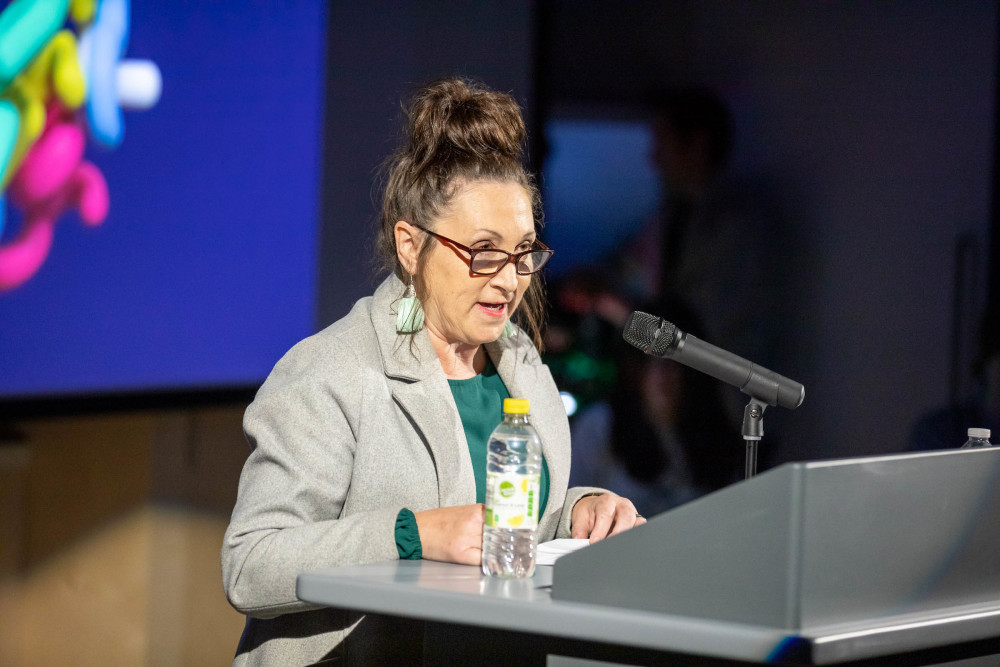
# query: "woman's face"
{"type": "Point", "coordinates": [463, 308]}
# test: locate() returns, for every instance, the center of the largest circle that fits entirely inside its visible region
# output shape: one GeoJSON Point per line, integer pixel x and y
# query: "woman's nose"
{"type": "Point", "coordinates": [506, 278]}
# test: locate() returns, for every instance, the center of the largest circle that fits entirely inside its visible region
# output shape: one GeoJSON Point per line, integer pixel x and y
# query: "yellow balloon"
{"type": "Point", "coordinates": [82, 11]}
{"type": "Point", "coordinates": [55, 71]}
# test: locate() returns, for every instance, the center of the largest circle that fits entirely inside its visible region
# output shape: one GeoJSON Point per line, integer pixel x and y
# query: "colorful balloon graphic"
{"type": "Point", "coordinates": [45, 74]}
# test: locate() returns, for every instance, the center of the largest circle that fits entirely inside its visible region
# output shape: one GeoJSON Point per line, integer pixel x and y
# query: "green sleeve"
{"type": "Point", "coordinates": [407, 536]}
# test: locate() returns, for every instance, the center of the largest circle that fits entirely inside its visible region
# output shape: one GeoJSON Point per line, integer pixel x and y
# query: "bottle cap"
{"type": "Point", "coordinates": [973, 432]}
{"type": "Point", "coordinates": [515, 406]}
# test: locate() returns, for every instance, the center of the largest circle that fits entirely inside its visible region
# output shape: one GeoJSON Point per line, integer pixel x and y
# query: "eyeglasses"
{"type": "Point", "coordinates": [489, 261]}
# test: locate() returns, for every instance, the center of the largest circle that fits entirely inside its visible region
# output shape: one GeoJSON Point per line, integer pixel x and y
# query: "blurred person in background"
{"type": "Point", "coordinates": [708, 263]}
{"type": "Point", "coordinates": [715, 241]}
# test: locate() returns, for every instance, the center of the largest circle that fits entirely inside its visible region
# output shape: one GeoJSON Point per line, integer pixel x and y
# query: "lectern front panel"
{"type": "Point", "coordinates": [812, 544]}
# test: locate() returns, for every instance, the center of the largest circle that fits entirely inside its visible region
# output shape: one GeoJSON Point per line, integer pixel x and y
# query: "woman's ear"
{"type": "Point", "coordinates": [407, 245]}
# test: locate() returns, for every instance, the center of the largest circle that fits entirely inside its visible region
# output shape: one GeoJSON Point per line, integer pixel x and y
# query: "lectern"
{"type": "Point", "coordinates": [835, 562]}
{"type": "Point", "coordinates": [850, 559]}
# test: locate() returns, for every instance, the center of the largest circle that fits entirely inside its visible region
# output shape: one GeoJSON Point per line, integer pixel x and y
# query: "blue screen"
{"type": "Point", "coordinates": [204, 271]}
{"type": "Point", "coordinates": [600, 187]}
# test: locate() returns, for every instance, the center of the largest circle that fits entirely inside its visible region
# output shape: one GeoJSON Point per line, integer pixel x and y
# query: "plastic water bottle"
{"type": "Point", "coordinates": [513, 474]}
{"type": "Point", "coordinates": [978, 437]}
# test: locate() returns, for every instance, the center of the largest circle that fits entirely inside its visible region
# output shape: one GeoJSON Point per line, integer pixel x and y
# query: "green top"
{"type": "Point", "coordinates": [480, 406]}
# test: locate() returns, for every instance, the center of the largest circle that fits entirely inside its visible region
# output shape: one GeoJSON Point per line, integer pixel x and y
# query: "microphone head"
{"type": "Point", "coordinates": [664, 340]}
{"type": "Point", "coordinates": [649, 333]}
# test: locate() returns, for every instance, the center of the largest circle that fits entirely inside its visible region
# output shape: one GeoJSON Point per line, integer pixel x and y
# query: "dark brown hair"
{"type": "Point", "coordinates": [457, 132]}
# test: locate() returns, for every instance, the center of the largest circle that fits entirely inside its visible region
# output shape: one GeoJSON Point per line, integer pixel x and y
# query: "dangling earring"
{"type": "Point", "coordinates": [409, 314]}
{"type": "Point", "coordinates": [508, 329]}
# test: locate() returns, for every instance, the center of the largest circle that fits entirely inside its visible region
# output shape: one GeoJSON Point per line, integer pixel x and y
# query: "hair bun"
{"type": "Point", "coordinates": [457, 121]}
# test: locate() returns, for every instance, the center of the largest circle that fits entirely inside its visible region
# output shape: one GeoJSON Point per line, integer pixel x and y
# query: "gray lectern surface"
{"type": "Point", "coordinates": [461, 594]}
{"type": "Point", "coordinates": [861, 557]}
{"type": "Point", "coordinates": [816, 563]}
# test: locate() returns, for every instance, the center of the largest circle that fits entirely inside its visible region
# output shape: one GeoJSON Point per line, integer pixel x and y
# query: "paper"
{"type": "Point", "coordinates": [549, 552]}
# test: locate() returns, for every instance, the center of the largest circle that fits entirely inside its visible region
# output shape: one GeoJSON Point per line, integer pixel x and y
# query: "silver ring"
{"type": "Point", "coordinates": [638, 516]}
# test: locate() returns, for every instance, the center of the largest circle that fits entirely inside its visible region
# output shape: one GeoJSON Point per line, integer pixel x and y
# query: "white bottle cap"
{"type": "Point", "coordinates": [979, 433]}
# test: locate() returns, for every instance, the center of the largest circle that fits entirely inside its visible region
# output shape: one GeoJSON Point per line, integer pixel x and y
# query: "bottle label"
{"type": "Point", "coordinates": [512, 500]}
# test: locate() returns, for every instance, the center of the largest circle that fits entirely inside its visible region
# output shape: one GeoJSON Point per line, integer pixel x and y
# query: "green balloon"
{"type": "Point", "coordinates": [25, 27]}
{"type": "Point", "coordinates": [10, 121]}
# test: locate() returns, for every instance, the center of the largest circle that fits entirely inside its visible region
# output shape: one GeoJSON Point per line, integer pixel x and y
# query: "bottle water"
{"type": "Point", "coordinates": [978, 437]}
{"type": "Point", "coordinates": [513, 474]}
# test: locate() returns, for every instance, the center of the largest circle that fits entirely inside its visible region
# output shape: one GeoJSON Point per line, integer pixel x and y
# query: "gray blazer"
{"type": "Point", "coordinates": [352, 425]}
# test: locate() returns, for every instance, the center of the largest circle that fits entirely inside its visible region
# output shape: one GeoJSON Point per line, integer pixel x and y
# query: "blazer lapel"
{"type": "Point", "coordinates": [432, 411]}
{"type": "Point", "coordinates": [420, 388]}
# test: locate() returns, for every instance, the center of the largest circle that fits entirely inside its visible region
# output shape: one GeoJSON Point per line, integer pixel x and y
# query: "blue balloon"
{"type": "Point", "coordinates": [101, 47]}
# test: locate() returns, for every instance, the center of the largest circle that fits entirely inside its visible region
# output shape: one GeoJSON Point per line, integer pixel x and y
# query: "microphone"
{"type": "Point", "coordinates": [654, 335]}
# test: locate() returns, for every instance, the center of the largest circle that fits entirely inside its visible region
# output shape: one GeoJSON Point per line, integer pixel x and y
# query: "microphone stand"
{"type": "Point", "coordinates": [753, 431]}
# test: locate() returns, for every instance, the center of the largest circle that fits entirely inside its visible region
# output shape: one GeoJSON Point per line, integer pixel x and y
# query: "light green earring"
{"type": "Point", "coordinates": [508, 329]}
{"type": "Point", "coordinates": [409, 314]}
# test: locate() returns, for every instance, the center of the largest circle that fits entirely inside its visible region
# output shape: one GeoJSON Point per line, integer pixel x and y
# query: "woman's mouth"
{"type": "Point", "coordinates": [493, 309]}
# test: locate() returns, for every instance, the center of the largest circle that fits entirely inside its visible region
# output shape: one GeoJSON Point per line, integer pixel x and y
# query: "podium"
{"type": "Point", "coordinates": [836, 562]}
{"type": "Point", "coordinates": [850, 558]}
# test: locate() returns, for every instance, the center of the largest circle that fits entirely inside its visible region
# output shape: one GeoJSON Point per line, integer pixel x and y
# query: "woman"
{"type": "Point", "coordinates": [368, 439]}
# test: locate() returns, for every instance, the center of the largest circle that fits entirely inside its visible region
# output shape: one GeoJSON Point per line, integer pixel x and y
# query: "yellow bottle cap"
{"type": "Point", "coordinates": [515, 406]}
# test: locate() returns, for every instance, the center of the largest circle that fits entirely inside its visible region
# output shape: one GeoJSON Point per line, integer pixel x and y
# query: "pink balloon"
{"type": "Point", "coordinates": [92, 197]}
{"type": "Point", "coordinates": [21, 258]}
{"type": "Point", "coordinates": [53, 178]}
{"type": "Point", "coordinates": [47, 167]}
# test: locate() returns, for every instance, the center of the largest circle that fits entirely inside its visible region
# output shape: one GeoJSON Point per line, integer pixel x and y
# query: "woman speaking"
{"type": "Point", "coordinates": [368, 439]}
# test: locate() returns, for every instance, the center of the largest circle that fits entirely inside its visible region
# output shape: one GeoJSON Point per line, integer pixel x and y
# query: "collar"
{"type": "Point", "coordinates": [412, 357]}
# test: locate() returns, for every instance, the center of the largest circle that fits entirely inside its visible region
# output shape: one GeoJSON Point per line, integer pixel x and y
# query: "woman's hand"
{"type": "Point", "coordinates": [452, 534]}
{"type": "Point", "coordinates": [597, 517]}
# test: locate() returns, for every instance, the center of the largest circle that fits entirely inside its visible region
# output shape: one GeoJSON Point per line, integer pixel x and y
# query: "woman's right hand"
{"type": "Point", "coordinates": [452, 534]}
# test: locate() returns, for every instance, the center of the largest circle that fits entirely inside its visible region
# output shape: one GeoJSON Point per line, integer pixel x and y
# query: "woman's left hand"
{"type": "Point", "coordinates": [597, 517]}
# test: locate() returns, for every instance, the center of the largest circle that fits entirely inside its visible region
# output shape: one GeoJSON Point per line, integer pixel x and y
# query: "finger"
{"type": "Point", "coordinates": [583, 518]}
{"type": "Point", "coordinates": [604, 516]}
{"type": "Point", "coordinates": [625, 517]}
{"type": "Point", "coordinates": [582, 526]}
